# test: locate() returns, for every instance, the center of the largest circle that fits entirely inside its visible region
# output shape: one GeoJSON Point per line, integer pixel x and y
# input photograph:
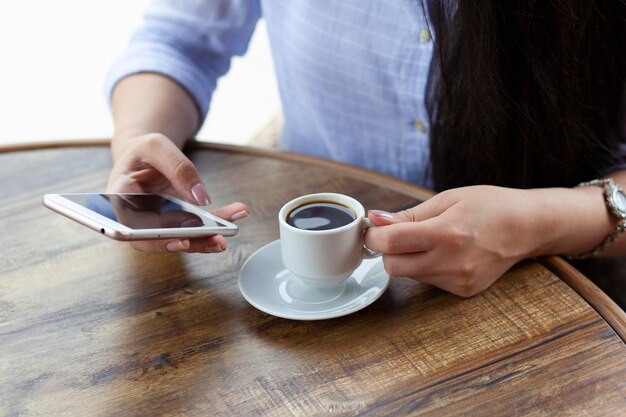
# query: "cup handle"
{"type": "Point", "coordinates": [367, 253]}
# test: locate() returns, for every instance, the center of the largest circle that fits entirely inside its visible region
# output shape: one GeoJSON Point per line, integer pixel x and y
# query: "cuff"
{"type": "Point", "coordinates": [198, 82]}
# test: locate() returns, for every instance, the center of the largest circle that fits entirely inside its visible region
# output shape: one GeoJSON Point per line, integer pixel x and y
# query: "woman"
{"type": "Point", "coordinates": [503, 108]}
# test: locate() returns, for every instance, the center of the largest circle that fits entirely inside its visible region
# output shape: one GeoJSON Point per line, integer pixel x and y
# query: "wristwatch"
{"type": "Point", "coordinates": [615, 199]}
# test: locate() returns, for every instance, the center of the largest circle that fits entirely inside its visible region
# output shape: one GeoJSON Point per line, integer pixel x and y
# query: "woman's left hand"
{"type": "Point", "coordinates": [461, 240]}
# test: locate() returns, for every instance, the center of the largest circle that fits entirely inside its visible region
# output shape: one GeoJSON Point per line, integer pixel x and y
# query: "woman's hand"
{"type": "Point", "coordinates": [461, 240]}
{"type": "Point", "coordinates": [151, 163]}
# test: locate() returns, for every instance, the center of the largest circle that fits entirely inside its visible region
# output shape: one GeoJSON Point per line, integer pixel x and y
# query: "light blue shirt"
{"type": "Point", "coordinates": [352, 73]}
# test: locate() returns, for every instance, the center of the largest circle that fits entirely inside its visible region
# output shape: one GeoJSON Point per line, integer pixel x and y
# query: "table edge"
{"type": "Point", "coordinates": [63, 143]}
{"type": "Point", "coordinates": [594, 296]}
{"type": "Point", "coordinates": [590, 292]}
{"type": "Point", "coordinates": [390, 182]}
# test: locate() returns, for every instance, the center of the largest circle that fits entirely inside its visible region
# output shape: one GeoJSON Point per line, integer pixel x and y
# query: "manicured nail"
{"type": "Point", "coordinates": [191, 223]}
{"type": "Point", "coordinates": [200, 194]}
{"type": "Point", "coordinates": [239, 215]}
{"type": "Point", "coordinates": [381, 213]}
{"type": "Point", "coordinates": [175, 246]}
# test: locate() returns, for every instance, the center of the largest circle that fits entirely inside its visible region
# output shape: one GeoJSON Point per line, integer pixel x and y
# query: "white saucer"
{"type": "Point", "coordinates": [267, 285]}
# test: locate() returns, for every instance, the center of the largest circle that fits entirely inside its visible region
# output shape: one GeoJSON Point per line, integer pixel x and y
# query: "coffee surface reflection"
{"type": "Point", "coordinates": [320, 215]}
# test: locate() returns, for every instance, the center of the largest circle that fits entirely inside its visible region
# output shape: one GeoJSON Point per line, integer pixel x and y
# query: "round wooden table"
{"type": "Point", "coordinates": [90, 327]}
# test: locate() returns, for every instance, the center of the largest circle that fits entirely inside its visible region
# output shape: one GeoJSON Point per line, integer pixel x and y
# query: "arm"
{"type": "Point", "coordinates": [153, 118]}
{"type": "Point", "coordinates": [160, 90]}
{"type": "Point", "coordinates": [464, 239]}
{"type": "Point", "coordinates": [585, 223]}
{"type": "Point", "coordinates": [151, 103]}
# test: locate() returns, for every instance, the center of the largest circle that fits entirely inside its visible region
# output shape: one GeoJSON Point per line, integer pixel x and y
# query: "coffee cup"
{"type": "Point", "coordinates": [321, 237]}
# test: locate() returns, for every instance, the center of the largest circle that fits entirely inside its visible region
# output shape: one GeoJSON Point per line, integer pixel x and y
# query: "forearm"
{"type": "Point", "coordinates": [151, 103]}
{"type": "Point", "coordinates": [576, 220]}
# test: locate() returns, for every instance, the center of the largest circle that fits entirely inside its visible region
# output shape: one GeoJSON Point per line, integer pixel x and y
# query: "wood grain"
{"type": "Point", "coordinates": [90, 327]}
{"type": "Point", "coordinates": [607, 308]}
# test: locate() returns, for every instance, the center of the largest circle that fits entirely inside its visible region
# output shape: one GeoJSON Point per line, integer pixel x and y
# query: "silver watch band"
{"type": "Point", "coordinates": [609, 185]}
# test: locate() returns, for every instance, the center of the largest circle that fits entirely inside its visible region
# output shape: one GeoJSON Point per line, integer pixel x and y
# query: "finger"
{"type": "Point", "coordinates": [427, 263]}
{"type": "Point", "coordinates": [162, 154]}
{"type": "Point", "coordinates": [407, 265]}
{"type": "Point", "coordinates": [232, 212]}
{"type": "Point", "coordinates": [401, 237]}
{"type": "Point", "coordinates": [427, 268]}
{"type": "Point", "coordinates": [381, 218]}
{"type": "Point", "coordinates": [428, 209]}
{"type": "Point", "coordinates": [179, 219]}
{"type": "Point", "coordinates": [416, 266]}
{"type": "Point", "coordinates": [451, 284]}
{"type": "Point", "coordinates": [213, 244]}
{"type": "Point", "coordinates": [161, 245]}
{"type": "Point", "coordinates": [446, 283]}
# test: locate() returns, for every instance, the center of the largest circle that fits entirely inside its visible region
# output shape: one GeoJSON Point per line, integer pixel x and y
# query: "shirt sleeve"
{"type": "Point", "coordinates": [190, 41]}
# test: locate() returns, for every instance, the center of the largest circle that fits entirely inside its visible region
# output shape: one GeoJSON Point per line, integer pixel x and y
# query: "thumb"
{"type": "Point", "coordinates": [382, 218]}
{"type": "Point", "coordinates": [424, 211]}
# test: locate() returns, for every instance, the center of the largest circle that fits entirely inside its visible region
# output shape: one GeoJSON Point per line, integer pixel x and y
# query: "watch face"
{"type": "Point", "coordinates": [618, 202]}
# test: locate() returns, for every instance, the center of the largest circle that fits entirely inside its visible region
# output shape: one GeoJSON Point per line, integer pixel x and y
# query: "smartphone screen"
{"type": "Point", "coordinates": [142, 211]}
{"type": "Point", "coordinates": [139, 216]}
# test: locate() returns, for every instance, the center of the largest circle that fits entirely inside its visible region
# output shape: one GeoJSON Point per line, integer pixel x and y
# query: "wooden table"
{"type": "Point", "coordinates": [90, 327]}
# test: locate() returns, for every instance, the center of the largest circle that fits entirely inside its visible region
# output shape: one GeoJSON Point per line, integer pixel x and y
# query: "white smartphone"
{"type": "Point", "coordinates": [133, 216]}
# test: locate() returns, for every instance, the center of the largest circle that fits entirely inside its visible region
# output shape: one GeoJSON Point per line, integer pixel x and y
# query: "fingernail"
{"type": "Point", "coordinates": [239, 215]}
{"type": "Point", "coordinates": [214, 248]}
{"type": "Point", "coordinates": [174, 246]}
{"type": "Point", "coordinates": [381, 213]}
{"type": "Point", "coordinates": [191, 223]}
{"type": "Point", "coordinates": [200, 194]}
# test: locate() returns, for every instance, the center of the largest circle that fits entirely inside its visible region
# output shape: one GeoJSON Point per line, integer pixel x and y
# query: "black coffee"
{"type": "Point", "coordinates": [320, 215]}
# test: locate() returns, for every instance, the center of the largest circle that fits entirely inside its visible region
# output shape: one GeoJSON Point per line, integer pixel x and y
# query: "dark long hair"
{"type": "Point", "coordinates": [526, 93]}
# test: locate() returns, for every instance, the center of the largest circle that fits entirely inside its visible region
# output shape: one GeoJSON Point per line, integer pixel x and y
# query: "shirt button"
{"type": "Point", "coordinates": [425, 35]}
{"type": "Point", "coordinates": [420, 126]}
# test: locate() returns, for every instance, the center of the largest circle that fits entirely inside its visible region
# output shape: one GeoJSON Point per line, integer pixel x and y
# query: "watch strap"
{"type": "Point", "coordinates": [609, 185]}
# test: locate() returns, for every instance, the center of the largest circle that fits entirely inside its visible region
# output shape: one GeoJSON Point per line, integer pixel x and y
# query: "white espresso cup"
{"type": "Point", "coordinates": [324, 258]}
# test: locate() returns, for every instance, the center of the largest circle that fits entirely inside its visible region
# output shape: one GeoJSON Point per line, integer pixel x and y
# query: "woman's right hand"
{"type": "Point", "coordinates": [152, 163]}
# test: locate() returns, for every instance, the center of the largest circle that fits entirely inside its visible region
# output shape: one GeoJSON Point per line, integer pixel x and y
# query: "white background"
{"type": "Point", "coordinates": [54, 58]}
